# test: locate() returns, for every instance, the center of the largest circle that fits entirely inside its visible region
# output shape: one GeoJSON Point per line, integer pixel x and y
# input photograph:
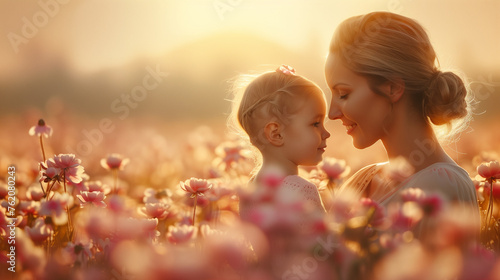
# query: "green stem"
{"type": "Point", "coordinates": [489, 212]}
{"type": "Point", "coordinates": [70, 226]}
{"type": "Point", "coordinates": [40, 167]}
{"type": "Point", "coordinates": [115, 175]}
{"type": "Point", "coordinates": [43, 191]}
{"type": "Point", "coordinates": [194, 207]}
{"type": "Point", "coordinates": [49, 189]}
{"type": "Point", "coordinates": [41, 145]}
{"type": "Point", "coordinates": [64, 180]}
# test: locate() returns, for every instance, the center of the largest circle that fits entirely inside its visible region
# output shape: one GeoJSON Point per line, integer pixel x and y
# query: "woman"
{"type": "Point", "coordinates": [386, 86]}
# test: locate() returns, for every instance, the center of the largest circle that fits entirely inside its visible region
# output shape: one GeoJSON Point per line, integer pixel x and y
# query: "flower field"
{"type": "Point", "coordinates": [130, 204]}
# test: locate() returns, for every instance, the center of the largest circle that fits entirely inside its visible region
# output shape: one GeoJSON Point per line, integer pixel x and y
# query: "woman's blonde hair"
{"type": "Point", "coordinates": [269, 96]}
{"type": "Point", "coordinates": [383, 46]}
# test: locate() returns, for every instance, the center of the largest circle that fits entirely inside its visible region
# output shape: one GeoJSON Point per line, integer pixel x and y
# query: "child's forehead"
{"type": "Point", "coordinates": [311, 104]}
{"type": "Point", "coordinates": [312, 96]}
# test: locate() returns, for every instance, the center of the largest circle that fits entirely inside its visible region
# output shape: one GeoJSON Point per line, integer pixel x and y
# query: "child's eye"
{"type": "Point", "coordinates": [316, 124]}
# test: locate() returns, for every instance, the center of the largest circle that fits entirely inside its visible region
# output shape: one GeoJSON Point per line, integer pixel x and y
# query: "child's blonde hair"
{"type": "Point", "coordinates": [270, 96]}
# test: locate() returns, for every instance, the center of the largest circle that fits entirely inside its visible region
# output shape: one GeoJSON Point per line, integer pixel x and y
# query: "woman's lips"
{"type": "Point", "coordinates": [350, 128]}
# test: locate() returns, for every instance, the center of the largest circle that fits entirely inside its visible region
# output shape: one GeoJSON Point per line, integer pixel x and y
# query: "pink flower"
{"type": "Point", "coordinates": [334, 168]}
{"type": "Point", "coordinates": [48, 174]}
{"type": "Point", "coordinates": [32, 258]}
{"type": "Point", "coordinates": [405, 217]}
{"type": "Point", "coordinates": [479, 263]}
{"type": "Point", "coordinates": [96, 222]}
{"type": "Point", "coordinates": [127, 228]}
{"type": "Point", "coordinates": [398, 170]}
{"type": "Point", "coordinates": [96, 186]}
{"type": "Point", "coordinates": [378, 216]}
{"type": "Point", "coordinates": [218, 191]}
{"type": "Point", "coordinates": [154, 196]}
{"type": "Point", "coordinates": [155, 210]}
{"type": "Point", "coordinates": [40, 231]}
{"type": "Point", "coordinates": [114, 161]}
{"type": "Point", "coordinates": [477, 184]}
{"type": "Point", "coordinates": [272, 180]}
{"type": "Point", "coordinates": [41, 129]}
{"type": "Point", "coordinates": [56, 207]}
{"type": "Point", "coordinates": [489, 170]}
{"type": "Point", "coordinates": [29, 207]}
{"type": "Point", "coordinates": [341, 206]}
{"type": "Point", "coordinates": [196, 186]}
{"type": "Point", "coordinates": [271, 177]}
{"type": "Point", "coordinates": [78, 252]}
{"type": "Point", "coordinates": [181, 233]}
{"type": "Point", "coordinates": [431, 205]}
{"type": "Point", "coordinates": [5, 221]}
{"type": "Point", "coordinates": [495, 189]}
{"type": "Point", "coordinates": [148, 227]}
{"type": "Point", "coordinates": [63, 166]}
{"type": "Point", "coordinates": [412, 194]}
{"type": "Point", "coordinates": [318, 178]}
{"type": "Point", "coordinates": [34, 192]}
{"type": "Point", "coordinates": [71, 166]}
{"type": "Point", "coordinates": [231, 153]}
{"type": "Point", "coordinates": [93, 198]}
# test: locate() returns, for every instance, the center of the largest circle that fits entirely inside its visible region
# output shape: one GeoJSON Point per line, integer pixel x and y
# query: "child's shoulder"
{"type": "Point", "coordinates": [302, 189]}
{"type": "Point", "coordinates": [298, 182]}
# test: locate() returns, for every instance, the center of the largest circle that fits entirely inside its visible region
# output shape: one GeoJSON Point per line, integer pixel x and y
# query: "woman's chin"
{"type": "Point", "coordinates": [362, 143]}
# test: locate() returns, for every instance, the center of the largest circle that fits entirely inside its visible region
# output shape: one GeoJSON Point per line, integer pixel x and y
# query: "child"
{"type": "Point", "coordinates": [282, 115]}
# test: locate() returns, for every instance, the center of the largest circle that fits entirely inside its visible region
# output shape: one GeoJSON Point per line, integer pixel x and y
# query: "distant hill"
{"type": "Point", "coordinates": [196, 86]}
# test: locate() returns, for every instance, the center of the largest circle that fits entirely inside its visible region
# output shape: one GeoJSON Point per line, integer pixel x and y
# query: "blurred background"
{"type": "Point", "coordinates": [75, 63]}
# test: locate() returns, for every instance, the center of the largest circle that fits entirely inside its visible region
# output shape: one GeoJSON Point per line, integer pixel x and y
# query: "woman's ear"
{"type": "Point", "coordinates": [273, 134]}
{"type": "Point", "coordinates": [396, 90]}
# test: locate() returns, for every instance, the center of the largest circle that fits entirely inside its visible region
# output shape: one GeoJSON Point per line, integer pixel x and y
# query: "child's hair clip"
{"type": "Point", "coordinates": [285, 69]}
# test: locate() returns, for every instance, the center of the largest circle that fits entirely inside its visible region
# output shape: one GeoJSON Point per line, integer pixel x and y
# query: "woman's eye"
{"type": "Point", "coordinates": [342, 94]}
{"type": "Point", "coordinates": [316, 124]}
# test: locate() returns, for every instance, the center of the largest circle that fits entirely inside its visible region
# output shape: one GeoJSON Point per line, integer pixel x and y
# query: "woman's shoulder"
{"type": "Point", "coordinates": [370, 167]}
{"type": "Point", "coordinates": [447, 179]}
{"type": "Point", "coordinates": [364, 175]}
{"type": "Point", "coordinates": [444, 173]}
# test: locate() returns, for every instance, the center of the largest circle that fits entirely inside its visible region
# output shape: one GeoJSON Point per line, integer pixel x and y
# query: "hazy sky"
{"type": "Point", "coordinates": [95, 34]}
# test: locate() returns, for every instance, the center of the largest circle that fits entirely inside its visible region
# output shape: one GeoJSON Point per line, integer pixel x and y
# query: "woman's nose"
{"type": "Point", "coordinates": [334, 112]}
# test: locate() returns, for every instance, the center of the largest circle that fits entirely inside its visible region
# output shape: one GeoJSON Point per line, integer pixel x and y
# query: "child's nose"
{"type": "Point", "coordinates": [326, 134]}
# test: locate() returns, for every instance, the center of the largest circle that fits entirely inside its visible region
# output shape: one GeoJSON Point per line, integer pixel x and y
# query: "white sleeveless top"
{"type": "Point", "coordinates": [303, 189]}
{"type": "Point", "coordinates": [446, 179]}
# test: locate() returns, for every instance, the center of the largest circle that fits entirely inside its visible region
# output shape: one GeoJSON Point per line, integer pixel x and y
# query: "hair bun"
{"type": "Point", "coordinates": [445, 98]}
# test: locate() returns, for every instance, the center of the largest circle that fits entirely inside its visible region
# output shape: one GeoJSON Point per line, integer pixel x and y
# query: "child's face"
{"type": "Point", "coordinates": [305, 135]}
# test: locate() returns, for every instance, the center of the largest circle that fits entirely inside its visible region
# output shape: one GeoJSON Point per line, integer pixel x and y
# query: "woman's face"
{"type": "Point", "coordinates": [362, 111]}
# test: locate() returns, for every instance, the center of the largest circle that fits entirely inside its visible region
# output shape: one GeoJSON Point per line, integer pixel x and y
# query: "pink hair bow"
{"type": "Point", "coordinates": [287, 70]}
